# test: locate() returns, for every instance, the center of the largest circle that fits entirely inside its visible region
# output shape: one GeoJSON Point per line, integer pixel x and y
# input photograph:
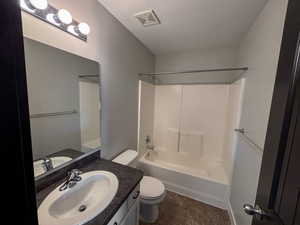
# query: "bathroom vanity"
{"type": "Point", "coordinates": [123, 208]}
{"type": "Point", "coordinates": [128, 213]}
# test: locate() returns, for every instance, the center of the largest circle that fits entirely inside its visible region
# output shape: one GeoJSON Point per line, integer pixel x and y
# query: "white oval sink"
{"type": "Point", "coordinates": [93, 194]}
{"type": "Point", "coordinates": [58, 160]}
{"type": "Point", "coordinates": [38, 168]}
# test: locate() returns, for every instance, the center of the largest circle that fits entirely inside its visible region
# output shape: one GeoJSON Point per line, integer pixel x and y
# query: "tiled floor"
{"type": "Point", "coordinates": [180, 210]}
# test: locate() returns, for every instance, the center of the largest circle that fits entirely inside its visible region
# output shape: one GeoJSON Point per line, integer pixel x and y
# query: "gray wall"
{"type": "Point", "coordinates": [121, 57]}
{"type": "Point", "coordinates": [260, 52]}
{"type": "Point", "coordinates": [197, 59]}
{"type": "Point", "coordinates": [244, 179]}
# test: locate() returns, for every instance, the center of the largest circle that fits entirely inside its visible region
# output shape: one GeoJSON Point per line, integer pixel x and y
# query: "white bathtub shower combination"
{"type": "Point", "coordinates": [180, 163]}
{"type": "Point", "coordinates": [192, 131]}
{"type": "Point", "coordinates": [201, 183]}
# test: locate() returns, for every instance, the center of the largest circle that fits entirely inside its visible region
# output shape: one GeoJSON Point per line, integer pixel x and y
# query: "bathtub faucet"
{"type": "Point", "coordinates": [148, 143]}
{"type": "Point", "coordinates": [150, 147]}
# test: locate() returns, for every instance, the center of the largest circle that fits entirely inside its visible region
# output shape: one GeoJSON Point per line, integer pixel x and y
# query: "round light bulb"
{"type": "Point", "coordinates": [51, 18]}
{"type": "Point", "coordinates": [71, 29]}
{"type": "Point", "coordinates": [25, 6]}
{"type": "Point", "coordinates": [84, 28]}
{"type": "Point", "coordinates": [39, 4]}
{"type": "Point", "coordinates": [64, 16]}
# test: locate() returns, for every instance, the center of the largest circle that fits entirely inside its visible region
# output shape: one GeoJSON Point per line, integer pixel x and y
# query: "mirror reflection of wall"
{"type": "Point", "coordinates": [89, 101]}
{"type": "Point", "coordinates": [64, 104]}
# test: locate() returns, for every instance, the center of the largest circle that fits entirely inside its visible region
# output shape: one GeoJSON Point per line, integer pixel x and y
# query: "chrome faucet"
{"type": "Point", "coordinates": [149, 146]}
{"type": "Point", "coordinates": [72, 179]}
{"type": "Point", "coordinates": [47, 164]}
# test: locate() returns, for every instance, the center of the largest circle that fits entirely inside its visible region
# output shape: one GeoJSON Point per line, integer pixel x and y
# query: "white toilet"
{"type": "Point", "coordinates": [152, 189]}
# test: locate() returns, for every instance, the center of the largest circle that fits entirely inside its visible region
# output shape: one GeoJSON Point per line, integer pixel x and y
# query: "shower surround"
{"type": "Point", "coordinates": [194, 138]}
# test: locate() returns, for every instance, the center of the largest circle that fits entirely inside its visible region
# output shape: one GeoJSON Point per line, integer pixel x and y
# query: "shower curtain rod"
{"type": "Point", "coordinates": [84, 76]}
{"type": "Point", "coordinates": [195, 71]}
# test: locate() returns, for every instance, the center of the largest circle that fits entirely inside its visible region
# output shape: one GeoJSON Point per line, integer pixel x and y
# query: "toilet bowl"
{"type": "Point", "coordinates": [152, 190]}
{"type": "Point", "coordinates": [152, 194]}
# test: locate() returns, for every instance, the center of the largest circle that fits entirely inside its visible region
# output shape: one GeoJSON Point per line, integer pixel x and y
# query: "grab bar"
{"type": "Point", "coordinates": [242, 132]}
{"type": "Point", "coordinates": [41, 115]}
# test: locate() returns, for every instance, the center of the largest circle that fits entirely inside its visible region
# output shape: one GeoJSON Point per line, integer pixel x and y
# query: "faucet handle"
{"type": "Point", "coordinates": [71, 180]}
{"type": "Point", "coordinates": [47, 164]}
{"type": "Point", "coordinates": [46, 159]}
{"type": "Point", "coordinates": [74, 175]}
{"type": "Point", "coordinates": [76, 172]}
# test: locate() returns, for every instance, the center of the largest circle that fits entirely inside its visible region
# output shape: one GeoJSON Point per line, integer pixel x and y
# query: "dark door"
{"type": "Point", "coordinates": [17, 182]}
{"type": "Point", "coordinates": [288, 206]}
{"type": "Point", "coordinates": [278, 194]}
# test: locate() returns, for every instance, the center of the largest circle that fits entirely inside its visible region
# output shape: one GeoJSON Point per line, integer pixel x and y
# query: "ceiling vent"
{"type": "Point", "coordinates": [148, 18]}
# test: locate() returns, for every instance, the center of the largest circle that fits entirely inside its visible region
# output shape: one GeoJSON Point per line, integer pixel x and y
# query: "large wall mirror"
{"type": "Point", "coordinates": [64, 104]}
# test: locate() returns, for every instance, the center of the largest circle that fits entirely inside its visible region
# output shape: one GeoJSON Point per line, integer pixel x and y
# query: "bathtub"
{"type": "Point", "coordinates": [203, 180]}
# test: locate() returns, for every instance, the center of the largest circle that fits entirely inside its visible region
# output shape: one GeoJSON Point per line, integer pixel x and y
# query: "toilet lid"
{"type": "Point", "coordinates": [151, 188]}
{"type": "Point", "coordinates": [126, 157]}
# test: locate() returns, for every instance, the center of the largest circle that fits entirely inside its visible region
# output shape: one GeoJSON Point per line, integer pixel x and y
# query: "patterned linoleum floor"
{"type": "Point", "coordinates": [180, 210]}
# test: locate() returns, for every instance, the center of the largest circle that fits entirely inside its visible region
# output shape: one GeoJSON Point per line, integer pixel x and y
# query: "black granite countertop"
{"type": "Point", "coordinates": [72, 153]}
{"type": "Point", "coordinates": [128, 179]}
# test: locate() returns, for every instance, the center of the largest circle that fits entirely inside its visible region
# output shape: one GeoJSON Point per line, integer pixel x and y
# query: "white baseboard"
{"type": "Point", "coordinates": [231, 214]}
{"type": "Point", "coordinates": [196, 195]}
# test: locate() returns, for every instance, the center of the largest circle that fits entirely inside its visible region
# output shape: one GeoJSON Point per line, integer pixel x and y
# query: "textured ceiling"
{"type": "Point", "coordinates": [188, 24]}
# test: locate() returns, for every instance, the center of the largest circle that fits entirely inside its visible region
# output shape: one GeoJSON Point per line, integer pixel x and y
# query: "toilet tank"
{"type": "Point", "coordinates": [127, 158]}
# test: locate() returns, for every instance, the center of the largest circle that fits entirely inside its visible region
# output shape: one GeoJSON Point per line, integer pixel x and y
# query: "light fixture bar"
{"type": "Point", "coordinates": [50, 14]}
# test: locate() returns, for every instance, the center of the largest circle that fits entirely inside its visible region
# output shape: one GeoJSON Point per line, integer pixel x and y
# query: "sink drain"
{"type": "Point", "coordinates": [82, 208]}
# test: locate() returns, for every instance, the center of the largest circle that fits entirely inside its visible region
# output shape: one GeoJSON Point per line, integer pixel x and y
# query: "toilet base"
{"type": "Point", "coordinates": [149, 213]}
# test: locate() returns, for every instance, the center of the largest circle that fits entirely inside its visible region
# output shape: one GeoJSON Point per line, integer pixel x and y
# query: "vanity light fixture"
{"type": "Point", "coordinates": [25, 6]}
{"type": "Point", "coordinates": [51, 18]}
{"type": "Point", "coordinates": [36, 4]}
{"type": "Point", "coordinates": [80, 29]}
{"type": "Point", "coordinates": [71, 29]}
{"type": "Point", "coordinates": [60, 18]}
{"type": "Point", "coordinates": [64, 16]}
{"type": "Point", "coordinates": [84, 28]}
